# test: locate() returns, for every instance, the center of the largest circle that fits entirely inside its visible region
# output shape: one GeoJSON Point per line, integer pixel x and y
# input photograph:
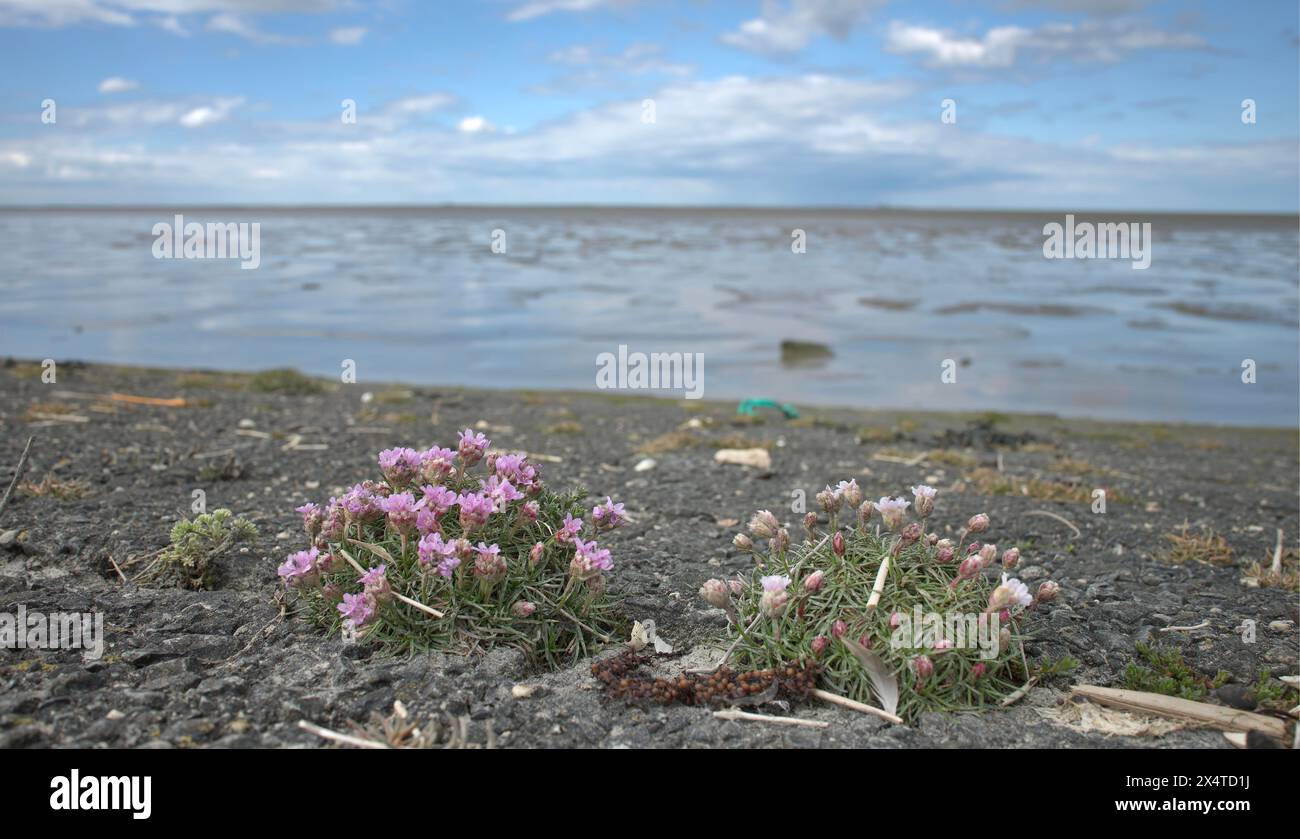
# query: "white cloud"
{"type": "Point", "coordinates": [1004, 46]}
{"type": "Point", "coordinates": [474, 125]}
{"type": "Point", "coordinates": [203, 115]}
{"type": "Point", "coordinates": [236, 25]}
{"type": "Point", "coordinates": [348, 35]}
{"type": "Point", "coordinates": [121, 12]}
{"type": "Point", "coordinates": [790, 28]}
{"type": "Point", "coordinates": [116, 84]}
{"type": "Point", "coordinates": [540, 8]}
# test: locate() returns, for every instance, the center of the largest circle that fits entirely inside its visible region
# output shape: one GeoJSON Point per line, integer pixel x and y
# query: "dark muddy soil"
{"type": "Point", "coordinates": [107, 480]}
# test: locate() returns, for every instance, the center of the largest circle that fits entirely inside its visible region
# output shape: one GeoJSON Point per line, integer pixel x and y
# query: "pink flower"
{"type": "Point", "coordinates": [500, 490]}
{"type": "Point", "coordinates": [1012, 592]}
{"type": "Point", "coordinates": [399, 466]}
{"type": "Point", "coordinates": [439, 499]}
{"type": "Point", "coordinates": [892, 511]}
{"type": "Point", "coordinates": [523, 608]}
{"type": "Point", "coordinates": [609, 515]}
{"type": "Point", "coordinates": [402, 510]}
{"type": "Point", "coordinates": [978, 671]}
{"type": "Point", "coordinates": [357, 609]}
{"type": "Point", "coordinates": [432, 548]}
{"type": "Point", "coordinates": [472, 446]}
{"type": "Point", "coordinates": [489, 565]}
{"type": "Point", "coordinates": [474, 510]}
{"type": "Point", "coordinates": [1010, 559]}
{"type": "Point", "coordinates": [376, 582]}
{"type": "Point", "coordinates": [590, 559]}
{"type": "Point", "coordinates": [427, 521]}
{"type": "Point", "coordinates": [300, 568]}
{"type": "Point", "coordinates": [895, 620]}
{"type": "Point", "coordinates": [774, 594]}
{"type": "Point", "coordinates": [572, 527]}
{"type": "Point", "coordinates": [448, 566]}
{"type": "Point", "coordinates": [819, 645]}
{"type": "Point", "coordinates": [924, 496]}
{"type": "Point", "coordinates": [849, 493]}
{"type": "Point", "coordinates": [529, 511]}
{"type": "Point", "coordinates": [436, 464]}
{"type": "Point", "coordinates": [839, 628]}
{"type": "Point", "coordinates": [312, 518]}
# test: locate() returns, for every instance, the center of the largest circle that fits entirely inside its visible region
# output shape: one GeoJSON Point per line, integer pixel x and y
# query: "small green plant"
{"type": "Point", "coordinates": [190, 561]}
{"type": "Point", "coordinates": [286, 381]}
{"type": "Point", "coordinates": [396, 562]}
{"type": "Point", "coordinates": [1160, 669]}
{"type": "Point", "coordinates": [1274, 694]}
{"type": "Point", "coordinates": [893, 615]}
{"type": "Point", "coordinates": [1205, 548]}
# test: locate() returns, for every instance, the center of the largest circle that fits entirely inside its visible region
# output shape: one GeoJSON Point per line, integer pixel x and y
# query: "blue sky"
{"type": "Point", "coordinates": [1060, 104]}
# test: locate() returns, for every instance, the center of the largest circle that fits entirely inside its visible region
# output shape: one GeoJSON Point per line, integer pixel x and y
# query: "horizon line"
{"type": "Point", "coordinates": [838, 208]}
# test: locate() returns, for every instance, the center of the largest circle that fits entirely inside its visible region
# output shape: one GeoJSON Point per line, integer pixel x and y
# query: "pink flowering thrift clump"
{"type": "Point", "coordinates": [879, 586]}
{"type": "Point", "coordinates": [459, 549]}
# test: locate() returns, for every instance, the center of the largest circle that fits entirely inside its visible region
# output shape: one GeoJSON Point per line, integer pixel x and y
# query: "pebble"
{"type": "Point", "coordinates": [1280, 626]}
{"type": "Point", "coordinates": [8, 538]}
{"type": "Point", "coordinates": [1236, 696]}
{"type": "Point", "coordinates": [247, 423]}
{"type": "Point", "coordinates": [645, 465]}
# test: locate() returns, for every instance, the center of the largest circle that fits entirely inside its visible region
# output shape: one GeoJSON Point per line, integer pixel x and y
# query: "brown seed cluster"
{"type": "Point", "coordinates": [622, 678]}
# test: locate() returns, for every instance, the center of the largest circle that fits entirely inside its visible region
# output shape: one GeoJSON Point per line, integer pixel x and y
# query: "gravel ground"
{"type": "Point", "coordinates": [225, 668]}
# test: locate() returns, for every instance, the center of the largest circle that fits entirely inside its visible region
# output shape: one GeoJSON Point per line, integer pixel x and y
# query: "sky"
{"type": "Point", "coordinates": [1054, 104]}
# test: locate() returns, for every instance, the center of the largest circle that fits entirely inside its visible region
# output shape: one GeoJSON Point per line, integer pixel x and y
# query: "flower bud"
{"type": "Point", "coordinates": [895, 619]}
{"type": "Point", "coordinates": [819, 645]}
{"type": "Point", "coordinates": [864, 513]}
{"type": "Point", "coordinates": [523, 608]}
{"type": "Point", "coordinates": [932, 539]}
{"type": "Point", "coordinates": [911, 533]}
{"type": "Point", "coordinates": [923, 667]}
{"type": "Point", "coordinates": [780, 541]}
{"type": "Point", "coordinates": [837, 544]}
{"type": "Point", "coordinates": [970, 566]}
{"type": "Point", "coordinates": [772, 603]}
{"type": "Point", "coordinates": [809, 522]}
{"type": "Point", "coordinates": [989, 552]}
{"type": "Point", "coordinates": [829, 500]}
{"type": "Point", "coordinates": [978, 671]}
{"type": "Point", "coordinates": [736, 586]}
{"type": "Point", "coordinates": [851, 495]}
{"type": "Point", "coordinates": [1047, 591]}
{"type": "Point", "coordinates": [763, 525]}
{"type": "Point", "coordinates": [536, 553]}
{"type": "Point", "coordinates": [743, 542]}
{"type": "Point", "coordinates": [1004, 639]}
{"type": "Point", "coordinates": [813, 583]}
{"type": "Point", "coordinates": [978, 523]}
{"type": "Point", "coordinates": [839, 628]}
{"type": "Point", "coordinates": [1010, 559]}
{"type": "Point", "coordinates": [943, 555]}
{"type": "Point", "coordinates": [716, 593]}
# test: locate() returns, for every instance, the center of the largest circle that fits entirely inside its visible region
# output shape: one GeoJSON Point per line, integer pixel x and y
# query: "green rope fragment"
{"type": "Point", "coordinates": [750, 406]}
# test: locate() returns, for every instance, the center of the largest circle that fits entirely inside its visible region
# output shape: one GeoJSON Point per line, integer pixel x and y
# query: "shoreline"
{"type": "Point", "coordinates": [222, 667]}
{"type": "Point", "coordinates": [241, 377]}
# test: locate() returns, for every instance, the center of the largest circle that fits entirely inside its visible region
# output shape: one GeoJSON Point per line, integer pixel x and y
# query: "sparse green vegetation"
{"type": "Point", "coordinates": [1205, 547]}
{"type": "Point", "coordinates": [1158, 669]}
{"type": "Point", "coordinates": [285, 381]}
{"type": "Point", "coordinates": [189, 561]}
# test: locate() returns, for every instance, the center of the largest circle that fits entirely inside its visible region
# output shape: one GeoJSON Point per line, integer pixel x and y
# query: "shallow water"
{"type": "Point", "coordinates": [417, 295]}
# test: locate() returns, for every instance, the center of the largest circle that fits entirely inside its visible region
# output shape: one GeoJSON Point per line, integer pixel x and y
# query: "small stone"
{"type": "Point", "coordinates": [114, 715]}
{"type": "Point", "coordinates": [8, 538]}
{"type": "Point", "coordinates": [757, 458]}
{"type": "Point", "coordinates": [1236, 696]}
{"type": "Point", "coordinates": [1280, 626]}
{"type": "Point", "coordinates": [523, 691]}
{"type": "Point", "coordinates": [645, 465]}
{"type": "Point", "coordinates": [247, 423]}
